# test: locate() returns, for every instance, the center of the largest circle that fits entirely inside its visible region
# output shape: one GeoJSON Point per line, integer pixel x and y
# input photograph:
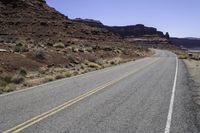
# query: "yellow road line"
{"type": "Point", "coordinates": [53, 111]}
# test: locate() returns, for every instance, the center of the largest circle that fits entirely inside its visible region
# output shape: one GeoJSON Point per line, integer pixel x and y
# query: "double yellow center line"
{"type": "Point", "coordinates": [53, 111]}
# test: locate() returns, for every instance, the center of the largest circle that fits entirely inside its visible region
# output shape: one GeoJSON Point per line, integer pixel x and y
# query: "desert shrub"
{"type": "Point", "coordinates": [88, 49]}
{"type": "Point", "coordinates": [112, 62]}
{"type": "Point", "coordinates": [49, 44]}
{"type": "Point", "coordinates": [48, 79]}
{"type": "Point", "coordinates": [92, 65]}
{"type": "Point", "coordinates": [23, 72]}
{"type": "Point", "coordinates": [68, 74]}
{"type": "Point", "coordinates": [6, 78]}
{"type": "Point", "coordinates": [3, 83]}
{"type": "Point", "coordinates": [59, 76]}
{"type": "Point", "coordinates": [17, 79]}
{"type": "Point", "coordinates": [75, 73]}
{"type": "Point", "coordinates": [39, 54]}
{"type": "Point", "coordinates": [24, 48]}
{"type": "Point", "coordinates": [75, 49]}
{"type": "Point", "coordinates": [183, 55]}
{"type": "Point", "coordinates": [59, 70]}
{"type": "Point", "coordinates": [74, 59]}
{"type": "Point", "coordinates": [19, 47]}
{"type": "Point", "coordinates": [29, 84]}
{"type": "Point", "coordinates": [43, 70]}
{"type": "Point", "coordinates": [9, 88]}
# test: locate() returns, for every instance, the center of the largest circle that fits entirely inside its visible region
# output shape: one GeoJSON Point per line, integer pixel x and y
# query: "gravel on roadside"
{"type": "Point", "coordinates": [193, 67]}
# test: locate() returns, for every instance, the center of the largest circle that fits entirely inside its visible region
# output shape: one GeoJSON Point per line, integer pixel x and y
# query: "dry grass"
{"type": "Point", "coordinates": [9, 88]}
{"type": "Point", "coordinates": [23, 79]}
{"type": "Point", "coordinates": [6, 83]}
{"type": "Point", "coordinates": [68, 74]}
{"type": "Point", "coordinates": [115, 61]}
{"type": "Point", "coordinates": [92, 64]}
{"type": "Point", "coordinates": [183, 55]}
{"type": "Point", "coordinates": [188, 55]}
{"type": "Point", "coordinates": [39, 78]}
{"type": "Point", "coordinates": [60, 76]}
{"type": "Point", "coordinates": [48, 79]}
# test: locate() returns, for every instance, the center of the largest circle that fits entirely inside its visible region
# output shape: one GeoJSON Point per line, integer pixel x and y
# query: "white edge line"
{"type": "Point", "coordinates": [169, 117]}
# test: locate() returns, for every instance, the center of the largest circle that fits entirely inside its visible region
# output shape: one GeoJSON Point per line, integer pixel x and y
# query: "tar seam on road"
{"type": "Point", "coordinates": [169, 117]}
{"type": "Point", "coordinates": [53, 111]}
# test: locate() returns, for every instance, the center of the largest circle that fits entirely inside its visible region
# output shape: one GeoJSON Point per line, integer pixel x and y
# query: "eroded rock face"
{"type": "Point", "coordinates": [138, 30]}
{"type": "Point", "coordinates": [135, 31]}
{"type": "Point", "coordinates": [132, 33]}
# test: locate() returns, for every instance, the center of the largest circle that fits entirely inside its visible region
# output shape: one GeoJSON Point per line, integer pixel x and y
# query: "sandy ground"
{"type": "Point", "coordinates": [194, 71]}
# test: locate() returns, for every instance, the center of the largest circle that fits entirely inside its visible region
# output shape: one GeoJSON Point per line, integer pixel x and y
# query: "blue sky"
{"type": "Point", "coordinates": [181, 18]}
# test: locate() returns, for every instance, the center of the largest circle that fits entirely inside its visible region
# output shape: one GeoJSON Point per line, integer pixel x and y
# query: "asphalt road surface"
{"type": "Point", "coordinates": [150, 95]}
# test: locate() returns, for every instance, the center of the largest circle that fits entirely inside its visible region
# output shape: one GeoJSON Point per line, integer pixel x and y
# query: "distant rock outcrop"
{"type": "Point", "coordinates": [90, 22]}
{"type": "Point", "coordinates": [187, 43]}
{"type": "Point", "coordinates": [134, 33]}
{"type": "Point", "coordinates": [138, 30]}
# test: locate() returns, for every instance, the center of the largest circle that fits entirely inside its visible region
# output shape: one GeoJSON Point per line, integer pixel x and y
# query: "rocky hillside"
{"type": "Point", "coordinates": [34, 21]}
{"type": "Point", "coordinates": [38, 44]}
{"type": "Point", "coordinates": [38, 35]}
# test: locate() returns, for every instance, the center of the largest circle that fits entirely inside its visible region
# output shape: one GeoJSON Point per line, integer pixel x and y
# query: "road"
{"type": "Point", "coordinates": [150, 95]}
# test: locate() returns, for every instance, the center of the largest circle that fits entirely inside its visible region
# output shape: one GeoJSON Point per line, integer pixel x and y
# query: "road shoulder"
{"type": "Point", "coordinates": [193, 68]}
{"type": "Point", "coordinates": [186, 114]}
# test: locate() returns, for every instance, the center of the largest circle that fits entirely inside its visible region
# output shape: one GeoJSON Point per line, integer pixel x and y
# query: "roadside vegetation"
{"type": "Point", "coordinates": [9, 82]}
{"type": "Point", "coordinates": [23, 78]}
{"type": "Point", "coordinates": [188, 55]}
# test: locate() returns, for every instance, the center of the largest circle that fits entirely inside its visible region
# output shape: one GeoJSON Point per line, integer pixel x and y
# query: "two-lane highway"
{"type": "Point", "coordinates": [150, 95]}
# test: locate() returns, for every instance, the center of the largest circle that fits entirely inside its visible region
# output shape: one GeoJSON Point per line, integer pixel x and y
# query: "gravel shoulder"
{"type": "Point", "coordinates": [193, 67]}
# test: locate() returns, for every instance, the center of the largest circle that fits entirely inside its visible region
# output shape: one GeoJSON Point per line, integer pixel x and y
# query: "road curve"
{"type": "Point", "coordinates": [150, 95]}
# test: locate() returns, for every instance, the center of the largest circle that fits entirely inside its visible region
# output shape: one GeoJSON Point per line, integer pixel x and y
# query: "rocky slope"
{"type": "Point", "coordinates": [33, 19]}
{"type": "Point", "coordinates": [39, 44]}
{"type": "Point", "coordinates": [29, 26]}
